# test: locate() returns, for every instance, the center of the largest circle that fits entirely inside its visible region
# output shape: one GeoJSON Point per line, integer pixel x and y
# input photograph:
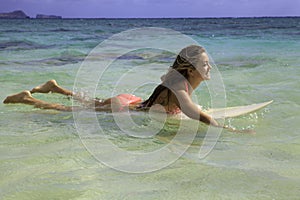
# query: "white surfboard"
{"type": "Point", "coordinates": [228, 112]}
{"type": "Point", "coordinates": [236, 111]}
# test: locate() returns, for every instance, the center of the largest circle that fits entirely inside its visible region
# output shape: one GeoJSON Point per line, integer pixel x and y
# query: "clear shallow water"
{"type": "Point", "coordinates": [42, 157]}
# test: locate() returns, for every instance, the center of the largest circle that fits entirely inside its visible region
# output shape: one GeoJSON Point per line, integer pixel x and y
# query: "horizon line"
{"type": "Point", "coordinates": [232, 17]}
{"type": "Point", "coordinates": [157, 17]}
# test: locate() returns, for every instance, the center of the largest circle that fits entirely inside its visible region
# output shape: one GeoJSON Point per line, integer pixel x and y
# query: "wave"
{"type": "Point", "coordinates": [131, 57]}
{"type": "Point", "coordinates": [62, 30]}
{"type": "Point", "coordinates": [66, 57]}
{"type": "Point", "coordinates": [22, 45]}
{"type": "Point", "coordinates": [245, 62]}
{"type": "Point", "coordinates": [15, 31]}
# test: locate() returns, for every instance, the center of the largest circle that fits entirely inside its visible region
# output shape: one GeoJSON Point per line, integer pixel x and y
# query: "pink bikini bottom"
{"type": "Point", "coordinates": [126, 100]}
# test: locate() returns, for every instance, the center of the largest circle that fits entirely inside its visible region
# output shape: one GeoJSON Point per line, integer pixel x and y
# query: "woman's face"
{"type": "Point", "coordinates": [203, 66]}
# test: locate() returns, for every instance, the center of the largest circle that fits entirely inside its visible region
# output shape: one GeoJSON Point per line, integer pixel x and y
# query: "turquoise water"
{"type": "Point", "coordinates": [42, 156]}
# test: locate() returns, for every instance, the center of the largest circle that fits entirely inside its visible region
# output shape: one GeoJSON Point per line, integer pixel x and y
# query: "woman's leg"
{"type": "Point", "coordinates": [51, 86]}
{"type": "Point", "coordinates": [26, 98]}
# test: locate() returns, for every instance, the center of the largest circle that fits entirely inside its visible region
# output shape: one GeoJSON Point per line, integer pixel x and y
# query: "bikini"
{"type": "Point", "coordinates": [127, 100]}
{"type": "Point", "coordinates": [175, 109]}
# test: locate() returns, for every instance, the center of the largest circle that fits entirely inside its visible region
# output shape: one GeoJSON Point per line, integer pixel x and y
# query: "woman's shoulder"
{"type": "Point", "coordinates": [181, 85]}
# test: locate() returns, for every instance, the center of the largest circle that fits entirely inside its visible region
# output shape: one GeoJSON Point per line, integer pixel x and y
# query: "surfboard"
{"type": "Point", "coordinates": [236, 111]}
{"type": "Point", "coordinates": [228, 112]}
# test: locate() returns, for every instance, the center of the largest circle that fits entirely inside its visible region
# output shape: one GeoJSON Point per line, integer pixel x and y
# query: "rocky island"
{"type": "Point", "coordinates": [41, 16]}
{"type": "Point", "coordinates": [18, 14]}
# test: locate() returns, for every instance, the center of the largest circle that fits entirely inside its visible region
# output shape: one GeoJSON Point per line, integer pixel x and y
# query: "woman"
{"type": "Point", "coordinates": [190, 68]}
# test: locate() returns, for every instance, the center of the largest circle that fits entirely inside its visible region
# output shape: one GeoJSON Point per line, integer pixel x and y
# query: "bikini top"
{"type": "Point", "coordinates": [173, 109]}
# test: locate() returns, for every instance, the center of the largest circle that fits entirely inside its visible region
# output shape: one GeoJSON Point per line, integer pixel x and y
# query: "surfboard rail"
{"type": "Point", "coordinates": [236, 111]}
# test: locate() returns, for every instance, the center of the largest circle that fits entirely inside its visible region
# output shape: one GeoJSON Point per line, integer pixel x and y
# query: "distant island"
{"type": "Point", "coordinates": [41, 16]}
{"type": "Point", "coordinates": [19, 14]}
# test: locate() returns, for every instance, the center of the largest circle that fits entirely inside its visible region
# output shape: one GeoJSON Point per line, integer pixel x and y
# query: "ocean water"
{"type": "Point", "coordinates": [43, 157]}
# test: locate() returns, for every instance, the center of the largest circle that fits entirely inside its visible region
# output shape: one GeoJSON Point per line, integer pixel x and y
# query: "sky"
{"type": "Point", "coordinates": [153, 8]}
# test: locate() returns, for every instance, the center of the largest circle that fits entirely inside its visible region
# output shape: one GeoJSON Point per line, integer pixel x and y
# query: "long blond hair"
{"type": "Point", "coordinates": [185, 60]}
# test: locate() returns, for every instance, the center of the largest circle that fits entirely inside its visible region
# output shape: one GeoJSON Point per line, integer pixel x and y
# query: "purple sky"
{"type": "Point", "coordinates": [154, 8]}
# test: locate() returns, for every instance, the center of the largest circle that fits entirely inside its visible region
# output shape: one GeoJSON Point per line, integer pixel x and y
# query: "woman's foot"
{"type": "Point", "coordinates": [51, 86]}
{"type": "Point", "coordinates": [45, 88]}
{"type": "Point", "coordinates": [22, 97]}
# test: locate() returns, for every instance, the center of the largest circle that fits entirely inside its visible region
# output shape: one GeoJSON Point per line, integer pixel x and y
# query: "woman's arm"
{"type": "Point", "coordinates": [189, 108]}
